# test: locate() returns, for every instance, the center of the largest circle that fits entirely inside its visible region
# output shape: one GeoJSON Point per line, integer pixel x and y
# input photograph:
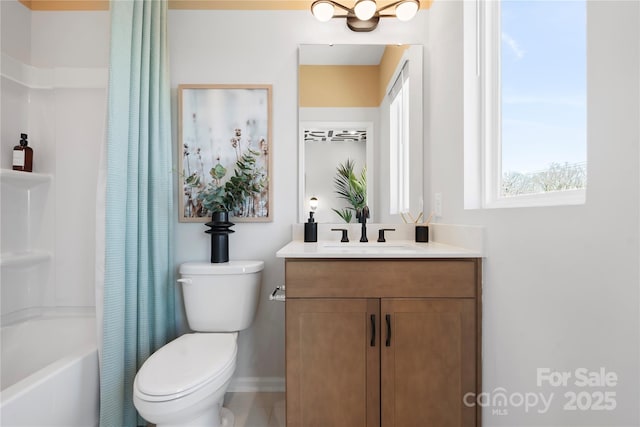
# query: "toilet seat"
{"type": "Point", "coordinates": [186, 365]}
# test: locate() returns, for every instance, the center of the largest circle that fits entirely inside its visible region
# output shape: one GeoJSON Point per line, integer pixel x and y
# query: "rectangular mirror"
{"type": "Point", "coordinates": [360, 107]}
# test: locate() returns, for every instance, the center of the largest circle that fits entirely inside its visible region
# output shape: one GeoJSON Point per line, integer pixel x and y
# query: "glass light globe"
{"type": "Point", "coordinates": [365, 9]}
{"type": "Point", "coordinates": [405, 11]}
{"type": "Point", "coordinates": [322, 10]}
{"type": "Point", "coordinates": [313, 203]}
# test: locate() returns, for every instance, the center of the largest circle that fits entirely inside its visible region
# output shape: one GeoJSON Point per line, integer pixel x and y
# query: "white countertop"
{"type": "Point", "coordinates": [373, 249]}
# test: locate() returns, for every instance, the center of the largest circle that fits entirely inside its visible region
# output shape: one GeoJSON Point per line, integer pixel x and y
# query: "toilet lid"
{"type": "Point", "coordinates": [186, 363]}
{"type": "Point", "coordinates": [223, 268]}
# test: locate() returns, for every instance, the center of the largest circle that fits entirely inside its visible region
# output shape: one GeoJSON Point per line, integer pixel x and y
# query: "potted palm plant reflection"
{"type": "Point", "coordinates": [350, 187]}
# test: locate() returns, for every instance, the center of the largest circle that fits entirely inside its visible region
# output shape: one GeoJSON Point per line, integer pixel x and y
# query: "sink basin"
{"type": "Point", "coordinates": [369, 248]}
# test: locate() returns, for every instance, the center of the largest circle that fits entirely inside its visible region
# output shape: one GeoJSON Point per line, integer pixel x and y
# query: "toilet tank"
{"type": "Point", "coordinates": [221, 297]}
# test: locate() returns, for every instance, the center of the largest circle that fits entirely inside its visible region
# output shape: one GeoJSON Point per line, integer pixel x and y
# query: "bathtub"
{"type": "Point", "coordinates": [49, 372]}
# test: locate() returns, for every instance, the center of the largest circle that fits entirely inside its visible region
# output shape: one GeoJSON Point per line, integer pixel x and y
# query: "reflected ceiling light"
{"type": "Point", "coordinates": [365, 14]}
{"type": "Point", "coordinates": [405, 11]}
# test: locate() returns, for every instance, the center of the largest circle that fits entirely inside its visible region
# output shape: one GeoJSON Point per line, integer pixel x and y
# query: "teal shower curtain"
{"type": "Point", "coordinates": [138, 308]}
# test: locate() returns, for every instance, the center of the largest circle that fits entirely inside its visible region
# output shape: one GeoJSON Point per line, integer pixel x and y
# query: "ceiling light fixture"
{"type": "Point", "coordinates": [365, 14]}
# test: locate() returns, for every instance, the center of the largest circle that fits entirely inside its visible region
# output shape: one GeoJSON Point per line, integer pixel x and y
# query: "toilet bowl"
{"type": "Point", "coordinates": [186, 379]}
{"type": "Point", "coordinates": [184, 382]}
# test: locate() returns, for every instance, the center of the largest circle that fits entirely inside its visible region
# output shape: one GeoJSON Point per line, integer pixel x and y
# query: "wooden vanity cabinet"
{"type": "Point", "coordinates": [393, 342]}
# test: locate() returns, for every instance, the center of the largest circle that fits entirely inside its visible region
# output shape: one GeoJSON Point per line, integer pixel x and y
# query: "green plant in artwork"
{"type": "Point", "coordinates": [350, 187]}
{"type": "Point", "coordinates": [246, 183]}
{"type": "Point", "coordinates": [213, 197]}
{"type": "Point", "coordinates": [239, 194]}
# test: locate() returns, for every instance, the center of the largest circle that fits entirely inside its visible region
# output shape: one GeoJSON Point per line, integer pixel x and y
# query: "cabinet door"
{"type": "Point", "coordinates": [333, 362]}
{"type": "Point", "coordinates": [428, 359]}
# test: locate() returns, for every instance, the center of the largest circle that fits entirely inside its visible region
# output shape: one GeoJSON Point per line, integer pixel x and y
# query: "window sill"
{"type": "Point", "coordinates": [555, 198]}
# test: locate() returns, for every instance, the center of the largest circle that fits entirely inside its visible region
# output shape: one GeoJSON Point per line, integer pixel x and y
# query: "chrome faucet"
{"type": "Point", "coordinates": [362, 215]}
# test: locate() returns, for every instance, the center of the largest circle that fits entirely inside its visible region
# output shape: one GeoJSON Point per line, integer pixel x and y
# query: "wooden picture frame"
{"type": "Point", "coordinates": [226, 126]}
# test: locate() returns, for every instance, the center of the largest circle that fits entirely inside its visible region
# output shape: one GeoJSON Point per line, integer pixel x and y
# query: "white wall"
{"type": "Point", "coordinates": [261, 47]}
{"type": "Point", "coordinates": [560, 283]}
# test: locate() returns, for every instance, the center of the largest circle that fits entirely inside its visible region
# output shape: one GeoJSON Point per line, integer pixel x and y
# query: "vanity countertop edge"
{"type": "Point", "coordinates": [406, 249]}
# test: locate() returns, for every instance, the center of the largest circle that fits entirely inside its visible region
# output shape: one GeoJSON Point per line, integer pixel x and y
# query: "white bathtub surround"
{"type": "Point", "coordinates": [48, 355]}
{"type": "Point", "coordinates": [50, 363]}
{"type": "Point", "coordinates": [26, 248]}
{"type": "Point", "coordinates": [60, 105]}
{"type": "Point", "coordinates": [30, 344]}
{"type": "Point", "coordinates": [52, 78]}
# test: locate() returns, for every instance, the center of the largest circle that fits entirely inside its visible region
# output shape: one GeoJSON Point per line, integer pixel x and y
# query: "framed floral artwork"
{"type": "Point", "coordinates": [224, 152]}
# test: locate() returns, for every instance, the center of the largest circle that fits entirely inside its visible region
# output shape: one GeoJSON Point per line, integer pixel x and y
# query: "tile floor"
{"type": "Point", "coordinates": [265, 409]}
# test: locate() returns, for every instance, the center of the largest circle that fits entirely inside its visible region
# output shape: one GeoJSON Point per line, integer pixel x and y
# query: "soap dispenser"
{"type": "Point", "coordinates": [23, 155]}
{"type": "Point", "coordinates": [311, 226]}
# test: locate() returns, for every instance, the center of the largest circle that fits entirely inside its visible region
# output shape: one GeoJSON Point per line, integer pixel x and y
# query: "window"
{"type": "Point", "coordinates": [525, 102]}
{"type": "Point", "coordinates": [399, 144]}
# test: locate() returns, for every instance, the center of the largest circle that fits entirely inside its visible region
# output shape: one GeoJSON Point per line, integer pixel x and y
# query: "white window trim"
{"type": "Point", "coordinates": [482, 144]}
{"type": "Point", "coordinates": [399, 141]}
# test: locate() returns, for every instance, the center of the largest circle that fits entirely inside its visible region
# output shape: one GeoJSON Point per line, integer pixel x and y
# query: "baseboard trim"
{"type": "Point", "coordinates": [257, 384]}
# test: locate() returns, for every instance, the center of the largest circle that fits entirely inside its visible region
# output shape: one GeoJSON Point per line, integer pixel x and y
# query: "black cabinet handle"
{"type": "Point", "coordinates": [373, 330]}
{"type": "Point", "coordinates": [388, 319]}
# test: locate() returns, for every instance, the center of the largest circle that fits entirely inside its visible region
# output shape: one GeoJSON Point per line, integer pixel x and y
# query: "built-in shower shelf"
{"type": "Point", "coordinates": [25, 180]}
{"type": "Point", "coordinates": [23, 259]}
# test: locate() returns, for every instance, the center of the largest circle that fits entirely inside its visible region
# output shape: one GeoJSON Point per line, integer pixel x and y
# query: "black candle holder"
{"type": "Point", "coordinates": [219, 236]}
{"type": "Point", "coordinates": [422, 233]}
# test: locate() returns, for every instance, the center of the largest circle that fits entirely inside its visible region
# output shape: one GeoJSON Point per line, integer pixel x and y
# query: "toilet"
{"type": "Point", "coordinates": [184, 382]}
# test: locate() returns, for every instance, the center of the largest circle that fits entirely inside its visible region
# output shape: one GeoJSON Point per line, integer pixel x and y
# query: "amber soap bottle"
{"type": "Point", "coordinates": [23, 155]}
